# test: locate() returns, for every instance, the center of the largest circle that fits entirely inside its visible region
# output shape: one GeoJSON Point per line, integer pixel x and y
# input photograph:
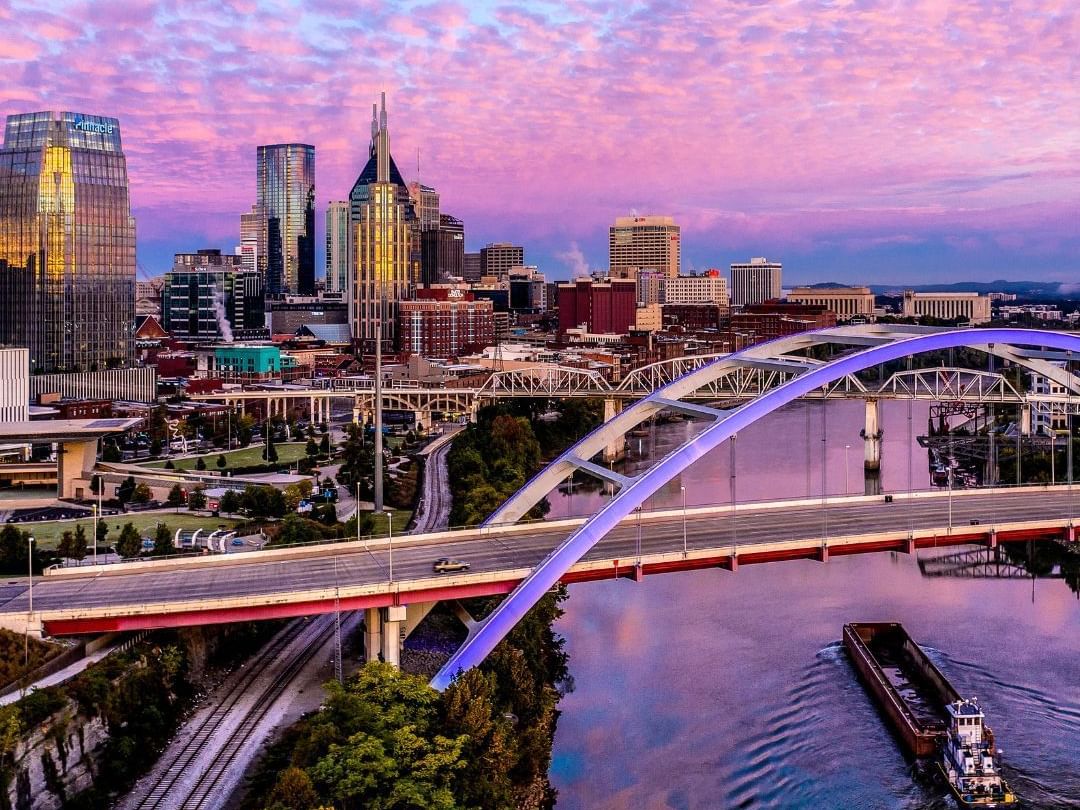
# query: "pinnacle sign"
{"type": "Point", "coordinates": [84, 125]}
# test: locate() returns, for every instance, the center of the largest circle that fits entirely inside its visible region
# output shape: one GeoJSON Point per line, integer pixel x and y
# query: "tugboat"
{"type": "Point", "coordinates": [968, 761]}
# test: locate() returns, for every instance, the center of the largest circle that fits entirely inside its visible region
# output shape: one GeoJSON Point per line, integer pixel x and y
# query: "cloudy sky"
{"type": "Point", "coordinates": [855, 140]}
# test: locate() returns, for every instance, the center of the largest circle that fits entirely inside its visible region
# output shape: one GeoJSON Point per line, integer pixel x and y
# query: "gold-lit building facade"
{"type": "Point", "coordinates": [385, 242]}
{"type": "Point", "coordinates": [67, 242]}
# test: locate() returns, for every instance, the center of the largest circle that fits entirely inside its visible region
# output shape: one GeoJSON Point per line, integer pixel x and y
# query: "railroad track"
{"type": "Point", "coordinates": [205, 789]}
{"type": "Point", "coordinates": [160, 794]}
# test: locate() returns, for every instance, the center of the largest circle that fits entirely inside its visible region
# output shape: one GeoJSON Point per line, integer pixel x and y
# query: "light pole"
{"type": "Point", "coordinates": [30, 609]}
{"type": "Point", "coordinates": [846, 448]}
{"type": "Point", "coordinates": [390, 539]}
{"type": "Point", "coordinates": [950, 495]}
{"type": "Point", "coordinates": [682, 491]}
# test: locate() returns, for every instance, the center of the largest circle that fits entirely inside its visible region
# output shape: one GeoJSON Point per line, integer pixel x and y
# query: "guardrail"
{"type": "Point", "coordinates": [331, 546]}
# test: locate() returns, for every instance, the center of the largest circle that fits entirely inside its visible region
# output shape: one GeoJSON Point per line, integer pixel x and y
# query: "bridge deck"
{"type": "Point", "coordinates": [272, 587]}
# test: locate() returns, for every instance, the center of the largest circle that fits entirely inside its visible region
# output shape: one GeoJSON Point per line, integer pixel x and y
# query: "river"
{"type": "Point", "coordinates": [710, 689]}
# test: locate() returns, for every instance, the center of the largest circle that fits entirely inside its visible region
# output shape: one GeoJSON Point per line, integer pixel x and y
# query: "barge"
{"type": "Point", "coordinates": [927, 712]}
{"type": "Point", "coordinates": [910, 690]}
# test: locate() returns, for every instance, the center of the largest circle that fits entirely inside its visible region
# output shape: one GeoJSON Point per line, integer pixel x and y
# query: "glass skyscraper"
{"type": "Point", "coordinates": [67, 242]}
{"type": "Point", "coordinates": [286, 198]}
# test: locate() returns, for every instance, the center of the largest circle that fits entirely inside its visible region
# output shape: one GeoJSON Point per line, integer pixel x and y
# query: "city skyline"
{"type": "Point", "coordinates": [851, 145]}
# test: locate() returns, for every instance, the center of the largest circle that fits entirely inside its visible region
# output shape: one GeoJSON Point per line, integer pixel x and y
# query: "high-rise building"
{"type": "Point", "coordinates": [338, 242]}
{"type": "Point", "coordinates": [471, 268]}
{"type": "Point", "coordinates": [385, 266]}
{"type": "Point", "coordinates": [528, 290]}
{"type": "Point", "coordinates": [425, 202]}
{"type": "Point", "coordinates": [213, 303]}
{"type": "Point", "coordinates": [497, 258]}
{"type": "Point", "coordinates": [644, 243]}
{"type": "Point", "coordinates": [442, 251]}
{"type": "Point", "coordinates": [754, 282]}
{"type": "Point", "coordinates": [286, 199]}
{"type": "Point", "coordinates": [251, 223]}
{"type": "Point", "coordinates": [67, 241]}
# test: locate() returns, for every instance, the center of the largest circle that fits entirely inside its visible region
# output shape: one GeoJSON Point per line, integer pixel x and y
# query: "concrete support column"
{"type": "Point", "coordinates": [312, 414]}
{"type": "Point", "coordinates": [616, 448]}
{"type": "Point", "coordinates": [871, 434]}
{"type": "Point", "coordinates": [393, 619]}
{"type": "Point", "coordinates": [423, 420]}
{"type": "Point", "coordinates": [372, 633]}
{"type": "Point", "coordinates": [356, 415]}
{"type": "Point", "coordinates": [1025, 419]}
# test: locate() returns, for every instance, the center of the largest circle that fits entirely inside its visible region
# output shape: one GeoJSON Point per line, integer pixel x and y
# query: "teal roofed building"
{"type": "Point", "coordinates": [239, 363]}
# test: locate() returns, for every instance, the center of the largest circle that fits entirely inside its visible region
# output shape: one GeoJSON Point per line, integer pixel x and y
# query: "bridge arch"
{"type": "Point", "coordinates": [634, 491]}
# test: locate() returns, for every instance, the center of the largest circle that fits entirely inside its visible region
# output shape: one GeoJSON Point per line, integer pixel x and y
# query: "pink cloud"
{"type": "Point", "coordinates": [790, 122]}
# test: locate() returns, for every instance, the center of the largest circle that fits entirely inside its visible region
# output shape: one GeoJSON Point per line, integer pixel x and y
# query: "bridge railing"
{"type": "Point", "coordinates": [813, 500]}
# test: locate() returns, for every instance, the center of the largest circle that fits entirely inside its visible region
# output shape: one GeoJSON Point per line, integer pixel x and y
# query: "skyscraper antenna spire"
{"type": "Point", "coordinates": [374, 126]}
{"type": "Point", "coordinates": [382, 114]}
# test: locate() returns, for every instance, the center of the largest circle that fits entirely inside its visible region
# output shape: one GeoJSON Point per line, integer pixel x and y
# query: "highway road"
{"type": "Point", "coordinates": [412, 559]}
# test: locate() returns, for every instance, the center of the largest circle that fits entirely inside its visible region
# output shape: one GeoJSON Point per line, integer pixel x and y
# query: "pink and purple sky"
{"type": "Point", "coordinates": [855, 140]}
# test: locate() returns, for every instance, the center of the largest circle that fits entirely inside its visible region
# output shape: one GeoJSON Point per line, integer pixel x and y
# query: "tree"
{"type": "Point", "coordinates": [67, 542]}
{"type": "Point", "coordinates": [269, 452]}
{"type": "Point", "coordinates": [196, 500]}
{"type": "Point", "coordinates": [155, 446]}
{"type": "Point", "coordinates": [126, 491]}
{"type": "Point", "coordinates": [200, 464]}
{"type": "Point", "coordinates": [221, 462]}
{"type": "Point", "coordinates": [95, 484]}
{"type": "Point", "coordinates": [142, 493]}
{"type": "Point", "coordinates": [169, 465]}
{"type": "Point", "coordinates": [79, 546]}
{"type": "Point", "coordinates": [129, 543]}
{"type": "Point", "coordinates": [176, 497]}
{"type": "Point", "coordinates": [296, 529]}
{"type": "Point", "coordinates": [324, 445]}
{"type": "Point", "coordinates": [229, 503]}
{"type": "Point", "coordinates": [293, 791]}
{"type": "Point", "coordinates": [328, 514]}
{"type": "Point", "coordinates": [311, 449]}
{"type": "Point", "coordinates": [324, 428]}
{"type": "Point", "coordinates": [102, 532]}
{"type": "Point", "coordinates": [163, 541]}
{"type": "Point", "coordinates": [110, 453]}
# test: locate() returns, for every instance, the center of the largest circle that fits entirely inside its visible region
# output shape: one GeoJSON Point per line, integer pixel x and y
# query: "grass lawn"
{"type": "Point", "coordinates": [288, 453]}
{"type": "Point", "coordinates": [401, 519]}
{"type": "Point", "coordinates": [47, 534]}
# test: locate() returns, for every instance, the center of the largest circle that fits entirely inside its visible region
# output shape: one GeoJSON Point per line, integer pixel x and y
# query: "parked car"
{"type": "Point", "coordinates": [445, 565]}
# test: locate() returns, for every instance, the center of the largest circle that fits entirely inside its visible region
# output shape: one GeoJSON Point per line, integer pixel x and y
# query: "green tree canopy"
{"type": "Point", "coordinates": [129, 544]}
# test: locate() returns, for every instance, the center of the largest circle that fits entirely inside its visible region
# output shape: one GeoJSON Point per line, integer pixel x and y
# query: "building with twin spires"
{"type": "Point", "coordinates": [386, 249]}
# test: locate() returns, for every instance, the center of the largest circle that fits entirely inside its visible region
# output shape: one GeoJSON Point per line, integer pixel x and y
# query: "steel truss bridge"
{"type": "Point", "coordinates": [736, 378]}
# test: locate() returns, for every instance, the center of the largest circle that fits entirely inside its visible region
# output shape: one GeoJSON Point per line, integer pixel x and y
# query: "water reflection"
{"type": "Point", "coordinates": [713, 690]}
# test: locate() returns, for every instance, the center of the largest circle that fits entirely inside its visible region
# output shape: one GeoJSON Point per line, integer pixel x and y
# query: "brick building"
{"type": "Point", "coordinates": [445, 323]}
{"type": "Point", "coordinates": [603, 307]}
{"type": "Point", "coordinates": [773, 319]}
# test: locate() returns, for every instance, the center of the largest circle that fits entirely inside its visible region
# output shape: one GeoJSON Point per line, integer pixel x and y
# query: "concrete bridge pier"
{"type": "Point", "coordinates": [616, 448]}
{"type": "Point", "coordinates": [1025, 419]}
{"type": "Point", "coordinates": [386, 628]}
{"type": "Point", "coordinates": [871, 434]}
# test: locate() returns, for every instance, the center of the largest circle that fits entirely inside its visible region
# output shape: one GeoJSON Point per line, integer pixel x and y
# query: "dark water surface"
{"type": "Point", "coordinates": [717, 690]}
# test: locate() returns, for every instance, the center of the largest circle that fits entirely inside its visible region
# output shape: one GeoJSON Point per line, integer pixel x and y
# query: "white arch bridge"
{"type": "Point", "coordinates": [866, 349]}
